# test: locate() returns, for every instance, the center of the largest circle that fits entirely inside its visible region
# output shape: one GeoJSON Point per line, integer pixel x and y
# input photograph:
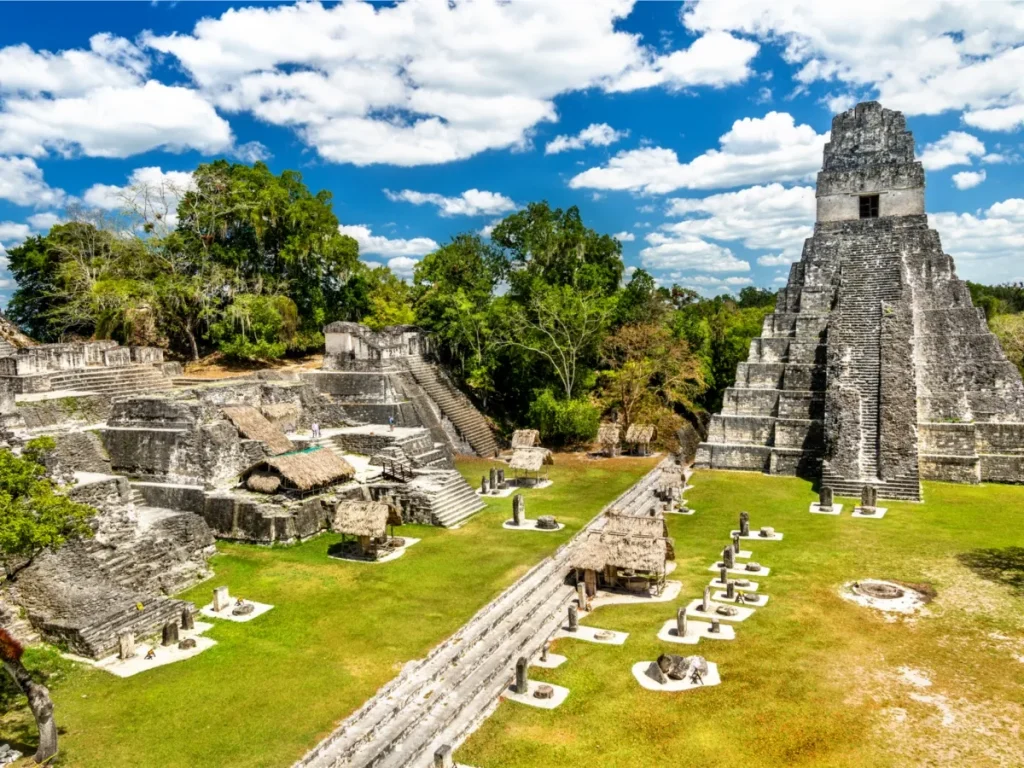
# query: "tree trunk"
{"type": "Point", "coordinates": [42, 709]}
{"type": "Point", "coordinates": [192, 343]}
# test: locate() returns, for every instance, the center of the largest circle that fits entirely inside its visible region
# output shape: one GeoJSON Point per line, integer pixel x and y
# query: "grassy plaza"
{"type": "Point", "coordinates": [338, 631]}
{"type": "Point", "coordinates": [810, 680]}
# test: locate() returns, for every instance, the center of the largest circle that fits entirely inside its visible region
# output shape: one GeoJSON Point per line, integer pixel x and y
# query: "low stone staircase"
{"type": "Point", "coordinates": [456, 406]}
{"type": "Point", "coordinates": [112, 381]}
{"type": "Point", "coordinates": [442, 496]}
{"type": "Point", "coordinates": [443, 698]}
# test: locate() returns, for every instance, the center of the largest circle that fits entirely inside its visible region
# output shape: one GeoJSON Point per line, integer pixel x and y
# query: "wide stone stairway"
{"type": "Point", "coordinates": [467, 419]}
{"type": "Point", "coordinates": [443, 698]}
{"type": "Point", "coordinates": [112, 381]}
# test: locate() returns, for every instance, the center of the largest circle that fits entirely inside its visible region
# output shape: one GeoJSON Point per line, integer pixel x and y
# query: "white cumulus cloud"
{"type": "Point", "coordinates": [986, 245]}
{"type": "Point", "coordinates": [753, 151]}
{"type": "Point", "coordinates": [472, 202]}
{"type": "Point", "coordinates": [688, 252]}
{"type": "Point", "coordinates": [955, 148]}
{"type": "Point", "coordinates": [594, 135]}
{"type": "Point", "coordinates": [968, 179]}
{"type": "Point", "coordinates": [624, 237]}
{"type": "Point", "coordinates": [21, 182]}
{"type": "Point", "coordinates": [919, 56]}
{"type": "Point", "coordinates": [379, 245]}
{"type": "Point", "coordinates": [425, 82]}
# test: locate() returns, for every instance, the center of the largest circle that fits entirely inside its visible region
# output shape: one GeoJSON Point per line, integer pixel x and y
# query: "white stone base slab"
{"type": "Point", "coordinates": [878, 512]}
{"type": "Point", "coordinates": [686, 488]}
{"type": "Point", "coordinates": [817, 509]}
{"type": "Point", "coordinates": [674, 686]}
{"type": "Point", "coordinates": [695, 630]}
{"type": "Point", "coordinates": [260, 609]}
{"type": "Point", "coordinates": [561, 694]}
{"type": "Point", "coordinates": [501, 493]}
{"type": "Point", "coordinates": [752, 587]}
{"type": "Point", "coordinates": [684, 512]}
{"type": "Point", "coordinates": [669, 593]}
{"type": "Point", "coordinates": [553, 661]}
{"type": "Point", "coordinates": [761, 600]}
{"type": "Point", "coordinates": [530, 525]}
{"type": "Point", "coordinates": [755, 536]}
{"type": "Point", "coordinates": [746, 554]}
{"type": "Point", "coordinates": [693, 610]}
{"type": "Point", "coordinates": [163, 654]}
{"type": "Point", "coordinates": [765, 570]}
{"type": "Point", "coordinates": [590, 635]}
{"type": "Point", "coordinates": [393, 555]}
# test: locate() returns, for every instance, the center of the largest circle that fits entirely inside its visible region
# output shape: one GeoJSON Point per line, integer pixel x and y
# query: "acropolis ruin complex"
{"type": "Point", "coordinates": [875, 368]}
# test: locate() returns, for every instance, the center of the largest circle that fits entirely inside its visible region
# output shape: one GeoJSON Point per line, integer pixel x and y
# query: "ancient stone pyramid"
{"type": "Point", "coordinates": [875, 368]}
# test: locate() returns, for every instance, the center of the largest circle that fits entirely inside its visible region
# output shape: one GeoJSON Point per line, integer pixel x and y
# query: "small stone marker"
{"type": "Point", "coordinates": [544, 691]}
{"type": "Point", "coordinates": [125, 645]}
{"type": "Point", "coordinates": [221, 599]}
{"type": "Point", "coordinates": [484, 487]}
{"type": "Point", "coordinates": [493, 480]}
{"type": "Point", "coordinates": [443, 757]}
{"type": "Point", "coordinates": [188, 619]}
{"type": "Point", "coordinates": [705, 605]}
{"type": "Point", "coordinates": [547, 523]}
{"type": "Point", "coordinates": [518, 509]}
{"type": "Point", "coordinates": [574, 619]}
{"type": "Point", "coordinates": [736, 543]}
{"type": "Point", "coordinates": [187, 644]}
{"type": "Point", "coordinates": [825, 497]}
{"type": "Point", "coordinates": [243, 609]}
{"type": "Point", "coordinates": [716, 626]}
{"type": "Point", "coordinates": [170, 633]}
{"type": "Point", "coordinates": [681, 622]}
{"type": "Point", "coordinates": [544, 651]}
{"type": "Point", "coordinates": [744, 523]}
{"type": "Point", "coordinates": [869, 496]}
{"type": "Point", "coordinates": [581, 594]}
{"type": "Point", "coordinates": [501, 478]}
{"type": "Point", "coordinates": [767, 532]}
{"type": "Point", "coordinates": [726, 610]}
{"type": "Point", "coordinates": [521, 685]}
{"type": "Point", "coordinates": [753, 567]}
{"type": "Point", "coordinates": [723, 574]}
{"type": "Point", "coordinates": [730, 590]}
{"type": "Point", "coordinates": [728, 557]}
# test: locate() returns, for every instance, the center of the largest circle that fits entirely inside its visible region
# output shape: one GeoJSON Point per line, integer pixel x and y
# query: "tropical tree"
{"type": "Point", "coordinates": [35, 516]}
{"type": "Point", "coordinates": [38, 695]}
{"type": "Point", "coordinates": [651, 376]}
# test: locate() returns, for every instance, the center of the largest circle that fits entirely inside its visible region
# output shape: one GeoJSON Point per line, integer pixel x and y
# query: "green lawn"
{"type": "Point", "coordinates": [810, 680]}
{"type": "Point", "coordinates": [272, 688]}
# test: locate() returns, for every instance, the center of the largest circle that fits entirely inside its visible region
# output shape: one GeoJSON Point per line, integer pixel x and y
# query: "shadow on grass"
{"type": "Point", "coordinates": [1003, 566]}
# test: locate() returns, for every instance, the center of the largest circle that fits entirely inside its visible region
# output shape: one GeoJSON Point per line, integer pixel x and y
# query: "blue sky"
{"type": "Point", "coordinates": [694, 131]}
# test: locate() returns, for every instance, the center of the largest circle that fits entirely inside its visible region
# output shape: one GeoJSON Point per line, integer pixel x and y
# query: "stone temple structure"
{"type": "Point", "coordinates": [875, 368]}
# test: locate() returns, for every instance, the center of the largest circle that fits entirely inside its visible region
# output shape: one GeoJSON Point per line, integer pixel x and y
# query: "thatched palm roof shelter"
{"type": "Point", "coordinates": [364, 518]}
{"type": "Point", "coordinates": [367, 521]}
{"type": "Point", "coordinates": [525, 438]}
{"type": "Point", "coordinates": [640, 436]}
{"type": "Point", "coordinates": [608, 437]}
{"type": "Point", "coordinates": [530, 459]}
{"type": "Point", "coordinates": [653, 526]}
{"type": "Point", "coordinates": [600, 550]}
{"type": "Point", "coordinates": [640, 433]}
{"type": "Point", "coordinates": [302, 471]}
{"type": "Point", "coordinates": [254, 425]}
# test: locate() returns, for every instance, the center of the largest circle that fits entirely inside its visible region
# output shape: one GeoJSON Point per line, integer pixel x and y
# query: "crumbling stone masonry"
{"type": "Point", "coordinates": [875, 367]}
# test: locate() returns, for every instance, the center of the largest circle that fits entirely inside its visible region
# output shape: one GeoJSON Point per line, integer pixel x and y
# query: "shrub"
{"type": "Point", "coordinates": [564, 422]}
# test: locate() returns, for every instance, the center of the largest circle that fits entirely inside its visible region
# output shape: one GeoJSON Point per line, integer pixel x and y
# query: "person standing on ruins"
{"type": "Point", "coordinates": [391, 423]}
{"type": "Point", "coordinates": [315, 429]}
